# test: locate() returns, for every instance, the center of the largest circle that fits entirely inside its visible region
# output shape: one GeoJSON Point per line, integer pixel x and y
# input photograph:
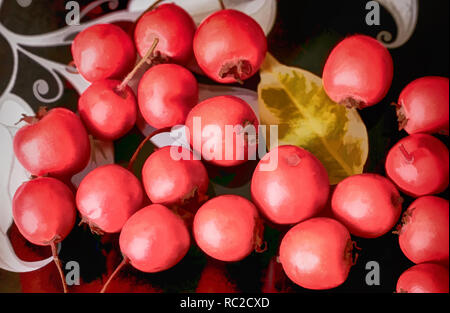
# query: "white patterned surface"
{"type": "Point", "coordinates": [405, 14]}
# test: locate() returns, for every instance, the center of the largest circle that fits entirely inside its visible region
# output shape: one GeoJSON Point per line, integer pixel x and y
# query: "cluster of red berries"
{"type": "Point", "coordinates": [228, 47]}
{"type": "Point", "coordinates": [358, 73]}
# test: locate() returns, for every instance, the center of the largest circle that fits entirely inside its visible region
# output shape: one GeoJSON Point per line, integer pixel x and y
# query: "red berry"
{"type": "Point", "coordinates": [166, 95]}
{"type": "Point", "coordinates": [44, 210]}
{"type": "Point", "coordinates": [154, 239]}
{"type": "Point", "coordinates": [216, 117]}
{"type": "Point", "coordinates": [358, 72]}
{"type": "Point", "coordinates": [56, 144]}
{"type": "Point", "coordinates": [296, 189]}
{"type": "Point", "coordinates": [230, 46]}
{"type": "Point", "coordinates": [369, 205]}
{"type": "Point", "coordinates": [103, 51]}
{"type": "Point", "coordinates": [107, 113]}
{"type": "Point", "coordinates": [174, 28]}
{"type": "Point", "coordinates": [227, 228]}
{"type": "Point", "coordinates": [215, 279]}
{"type": "Point", "coordinates": [317, 253]}
{"type": "Point", "coordinates": [423, 106]}
{"type": "Point", "coordinates": [418, 165]}
{"type": "Point", "coordinates": [423, 235]}
{"type": "Point", "coordinates": [424, 278]}
{"type": "Point", "coordinates": [108, 196]}
{"type": "Point", "coordinates": [170, 181]}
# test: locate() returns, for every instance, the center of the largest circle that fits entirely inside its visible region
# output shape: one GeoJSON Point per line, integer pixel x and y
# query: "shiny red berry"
{"type": "Point", "coordinates": [227, 228]}
{"type": "Point", "coordinates": [174, 28]}
{"type": "Point", "coordinates": [424, 233]}
{"type": "Point", "coordinates": [317, 253]}
{"type": "Point", "coordinates": [424, 278]}
{"type": "Point", "coordinates": [171, 180]}
{"type": "Point", "coordinates": [294, 188]}
{"type": "Point", "coordinates": [369, 205]}
{"type": "Point", "coordinates": [108, 113]}
{"type": "Point", "coordinates": [423, 106]}
{"type": "Point", "coordinates": [230, 46]}
{"type": "Point", "coordinates": [166, 95]}
{"type": "Point", "coordinates": [107, 197]}
{"type": "Point", "coordinates": [55, 143]}
{"type": "Point", "coordinates": [103, 51]}
{"type": "Point", "coordinates": [418, 165]}
{"type": "Point", "coordinates": [44, 210]}
{"type": "Point", "coordinates": [358, 72]}
{"type": "Point", "coordinates": [217, 128]}
{"type": "Point", "coordinates": [154, 239]}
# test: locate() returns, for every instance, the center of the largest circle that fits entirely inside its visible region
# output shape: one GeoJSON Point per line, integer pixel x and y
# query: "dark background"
{"type": "Point", "coordinates": [304, 34]}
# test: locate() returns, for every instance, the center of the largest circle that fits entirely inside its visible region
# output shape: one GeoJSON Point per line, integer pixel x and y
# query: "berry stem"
{"type": "Point", "coordinates": [130, 76]}
{"type": "Point", "coordinates": [118, 268]}
{"type": "Point", "coordinates": [58, 264]}
{"type": "Point", "coordinates": [408, 157]}
{"type": "Point", "coordinates": [222, 5]}
{"type": "Point", "coordinates": [141, 145]}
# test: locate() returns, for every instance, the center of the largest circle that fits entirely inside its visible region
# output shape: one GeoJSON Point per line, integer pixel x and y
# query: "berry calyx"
{"type": "Point", "coordinates": [110, 57]}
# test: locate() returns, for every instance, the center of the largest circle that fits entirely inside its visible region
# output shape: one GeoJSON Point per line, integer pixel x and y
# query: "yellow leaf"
{"type": "Point", "coordinates": [295, 100]}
